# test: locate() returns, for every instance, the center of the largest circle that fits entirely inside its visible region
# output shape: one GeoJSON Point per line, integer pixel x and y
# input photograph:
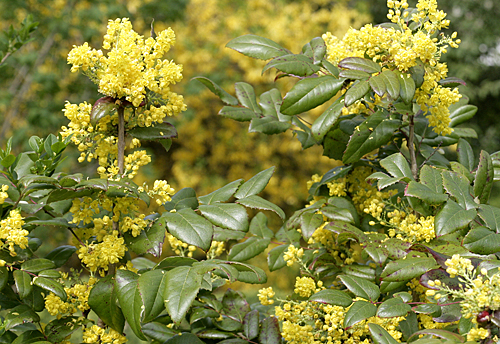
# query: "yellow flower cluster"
{"type": "Point", "coordinates": [265, 294]}
{"type": "Point", "coordinates": [402, 48]}
{"type": "Point", "coordinates": [78, 296]}
{"type": "Point", "coordinates": [305, 286]}
{"type": "Point", "coordinates": [337, 188]}
{"type": "Point", "coordinates": [12, 232]}
{"type": "Point", "coordinates": [216, 249]}
{"type": "Point", "coordinates": [96, 334]}
{"type": "Point", "coordinates": [100, 255]}
{"type": "Point", "coordinates": [292, 255]}
{"type": "Point", "coordinates": [3, 193]}
{"type": "Point", "coordinates": [179, 247]}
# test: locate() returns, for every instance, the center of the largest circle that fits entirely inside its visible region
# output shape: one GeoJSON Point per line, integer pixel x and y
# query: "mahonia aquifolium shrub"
{"type": "Point", "coordinates": [398, 244]}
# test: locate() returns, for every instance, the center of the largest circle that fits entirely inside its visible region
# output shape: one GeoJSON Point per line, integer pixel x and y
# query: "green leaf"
{"type": "Point", "coordinates": [235, 305]}
{"type": "Point", "coordinates": [258, 226]}
{"type": "Point", "coordinates": [149, 240]}
{"type": "Point", "coordinates": [61, 254]}
{"type": "Point", "coordinates": [420, 191]}
{"type": "Point", "coordinates": [183, 284]}
{"type": "Point", "coordinates": [377, 254]}
{"type": "Point", "coordinates": [458, 186]}
{"type": "Point", "coordinates": [359, 311]}
{"type": "Point", "coordinates": [239, 114]}
{"type": "Point", "coordinates": [309, 222]}
{"type": "Point", "coordinates": [299, 65]}
{"type": "Point", "coordinates": [462, 114]}
{"type": "Point", "coordinates": [483, 181]}
{"type": "Point", "coordinates": [394, 307]}
{"type": "Point", "coordinates": [332, 297]}
{"type": "Point", "coordinates": [380, 335]}
{"type": "Point", "coordinates": [150, 286]}
{"type": "Point", "coordinates": [172, 262]}
{"type": "Point", "coordinates": [226, 215]}
{"type": "Point", "coordinates": [190, 228]}
{"type": "Point", "coordinates": [326, 120]}
{"type": "Point", "coordinates": [406, 269]}
{"type": "Point", "coordinates": [490, 215]}
{"type": "Point", "coordinates": [392, 83]}
{"type": "Point", "coordinates": [27, 337]}
{"type": "Point", "coordinates": [159, 332]}
{"type": "Point", "coordinates": [270, 103]}
{"type": "Point", "coordinates": [186, 338]}
{"type": "Point", "coordinates": [255, 184]}
{"type": "Point", "coordinates": [452, 217]}
{"type": "Point", "coordinates": [275, 259]}
{"type": "Point", "coordinates": [8, 160]}
{"type": "Point", "coordinates": [130, 300]}
{"type": "Point", "coordinates": [248, 273]}
{"type": "Point", "coordinates": [383, 180]}
{"type": "Point", "coordinates": [51, 286]}
{"type": "Point", "coordinates": [346, 230]}
{"type": "Point", "coordinates": [354, 74]}
{"type": "Point", "coordinates": [397, 166]}
{"type": "Point", "coordinates": [257, 47]}
{"type": "Point", "coordinates": [374, 132]}
{"type": "Point", "coordinates": [37, 265]}
{"type": "Point", "coordinates": [251, 324]}
{"type": "Point", "coordinates": [248, 249]}
{"type": "Point", "coordinates": [4, 277]}
{"type": "Point", "coordinates": [221, 234]}
{"type": "Point", "coordinates": [184, 198]}
{"type": "Point", "coordinates": [257, 202]}
{"type": "Point", "coordinates": [102, 300]}
{"type": "Point", "coordinates": [332, 69]}
{"type": "Point", "coordinates": [160, 131]}
{"type": "Point", "coordinates": [428, 308]}
{"type": "Point", "coordinates": [18, 315]}
{"type": "Point", "coordinates": [407, 87]}
{"type": "Point", "coordinates": [308, 93]}
{"type": "Point", "coordinates": [453, 337]}
{"type": "Point", "coordinates": [377, 83]}
{"type": "Point", "coordinates": [217, 90]}
{"type": "Point", "coordinates": [57, 330]}
{"type": "Point", "coordinates": [356, 92]}
{"type": "Point", "coordinates": [268, 125]}
{"type": "Point", "coordinates": [221, 195]}
{"type": "Point", "coordinates": [23, 283]}
{"type": "Point", "coordinates": [465, 154]}
{"type": "Point", "coordinates": [246, 95]}
{"type": "Point", "coordinates": [481, 240]}
{"type": "Point", "coordinates": [359, 63]}
{"type": "Point", "coordinates": [431, 177]}
{"type": "Point", "coordinates": [361, 287]}
{"type": "Point", "coordinates": [270, 331]}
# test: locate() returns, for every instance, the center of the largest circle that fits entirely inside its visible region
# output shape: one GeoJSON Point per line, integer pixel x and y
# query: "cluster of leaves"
{"type": "Point", "coordinates": [13, 39]}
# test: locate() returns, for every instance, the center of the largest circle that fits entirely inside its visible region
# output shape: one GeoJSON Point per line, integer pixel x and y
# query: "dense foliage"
{"type": "Point", "coordinates": [397, 244]}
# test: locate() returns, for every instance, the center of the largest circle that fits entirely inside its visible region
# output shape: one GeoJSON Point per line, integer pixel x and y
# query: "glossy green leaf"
{"type": "Point", "coordinates": [150, 286]}
{"type": "Point", "coordinates": [51, 286]}
{"type": "Point", "coordinates": [102, 300]}
{"type": "Point", "coordinates": [354, 74]}
{"type": "Point", "coordinates": [462, 114]}
{"type": "Point", "coordinates": [299, 65]}
{"type": "Point", "coordinates": [58, 329]}
{"type": "Point", "coordinates": [270, 331]}
{"type": "Point", "coordinates": [392, 83]}
{"type": "Point", "coordinates": [4, 277]}
{"type": "Point", "coordinates": [483, 182]}
{"type": "Point", "coordinates": [394, 307]}
{"type": "Point", "coordinates": [251, 324]}
{"type": "Point", "coordinates": [51, 273]}
{"type": "Point", "coordinates": [183, 284]}
{"type": "Point", "coordinates": [308, 93]}
{"type": "Point", "coordinates": [380, 335]}
{"type": "Point", "coordinates": [160, 131]}
{"type": "Point", "coordinates": [407, 87]}
{"type": "Point", "coordinates": [326, 120]}
{"type": "Point", "coordinates": [428, 308]}
{"type": "Point", "coordinates": [255, 184]}
{"type": "Point", "coordinates": [60, 222]}
{"type": "Point", "coordinates": [375, 131]}
{"type": "Point", "coordinates": [217, 90]}
{"type": "Point", "coordinates": [442, 275]}
{"type": "Point", "coordinates": [360, 271]}
{"type": "Point", "coordinates": [235, 305]}
{"type": "Point", "coordinates": [186, 338]}
{"type": "Point", "coordinates": [268, 125]}
{"type": "Point", "coordinates": [440, 333]}
{"type": "Point", "coordinates": [332, 297]}
{"type": "Point", "coordinates": [248, 249]}
{"type": "Point", "coordinates": [378, 254]}
{"type": "Point", "coordinates": [221, 234]}
{"type": "Point", "coordinates": [397, 166]}
{"type": "Point", "coordinates": [246, 96]}
{"type": "Point", "coordinates": [18, 315]}
{"type": "Point", "coordinates": [61, 254]}
{"type": "Point", "coordinates": [359, 311]}
{"type": "Point", "coordinates": [248, 273]}
{"type": "Point", "coordinates": [270, 102]}
{"type": "Point", "coordinates": [275, 260]}
{"type": "Point", "coordinates": [23, 283]}
{"type": "Point", "coordinates": [377, 83]}
{"type": "Point", "coordinates": [359, 63]}
{"type": "Point", "coordinates": [130, 300]}
{"type": "Point", "coordinates": [239, 114]}
{"type": "Point", "coordinates": [421, 191]}
{"type": "Point", "coordinates": [452, 217]}
{"type": "Point", "coordinates": [149, 240]}
{"type": "Point", "coordinates": [160, 332]}
{"type": "Point", "coordinates": [465, 154]}
{"type": "Point", "coordinates": [361, 287]}
{"type": "Point", "coordinates": [258, 226]}
{"type": "Point", "coordinates": [383, 180]}
{"type": "Point", "coordinates": [184, 198]}
{"type": "Point", "coordinates": [458, 186]}
{"type": "Point", "coordinates": [481, 240]}
{"type": "Point", "coordinates": [356, 92]}
{"type": "Point", "coordinates": [257, 202]}
{"type": "Point", "coordinates": [431, 177]}
{"type": "Point", "coordinates": [309, 222]}
{"type": "Point", "coordinates": [344, 229]}
{"type": "Point", "coordinates": [257, 47]}
{"type": "Point", "coordinates": [190, 228]}
{"type": "Point", "coordinates": [490, 215]}
{"type": "Point", "coordinates": [318, 47]}
{"type": "Point", "coordinates": [37, 265]}
{"type": "Point", "coordinates": [226, 215]}
{"type": "Point", "coordinates": [221, 195]}
{"type": "Point", "coordinates": [406, 269]}
{"type": "Point", "coordinates": [27, 337]}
